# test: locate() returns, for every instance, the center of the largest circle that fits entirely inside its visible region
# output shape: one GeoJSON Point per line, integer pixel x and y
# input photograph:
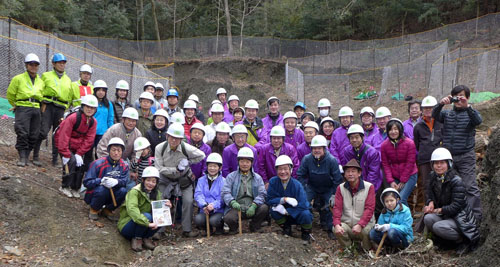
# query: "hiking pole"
{"type": "Point", "coordinates": [113, 197]}
{"type": "Point", "coordinates": [66, 169]}
{"type": "Point", "coordinates": [175, 211]}
{"type": "Point", "coordinates": [380, 245]}
{"type": "Point", "coordinates": [207, 218]}
{"type": "Point", "coordinates": [239, 222]}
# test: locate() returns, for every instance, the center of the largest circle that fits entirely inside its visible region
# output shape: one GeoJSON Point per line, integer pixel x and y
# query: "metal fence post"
{"type": "Point", "coordinates": [457, 74]}
{"type": "Point", "coordinates": [425, 74]}
{"type": "Point", "coordinates": [131, 80]}
{"type": "Point", "coordinates": [442, 75]}
{"type": "Point", "coordinates": [496, 72]}
{"type": "Point", "coordinates": [47, 51]}
{"type": "Point", "coordinates": [8, 49]}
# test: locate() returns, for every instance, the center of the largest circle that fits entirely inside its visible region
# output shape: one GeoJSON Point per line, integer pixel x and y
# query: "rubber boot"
{"type": "Point", "coordinates": [36, 155]}
{"type": "Point", "coordinates": [306, 234]}
{"type": "Point", "coordinates": [22, 159]}
{"type": "Point", "coordinates": [27, 157]}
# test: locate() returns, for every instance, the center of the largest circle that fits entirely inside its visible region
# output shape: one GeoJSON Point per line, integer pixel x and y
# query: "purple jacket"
{"type": "Point", "coordinates": [377, 139]}
{"type": "Point", "coordinates": [268, 122]}
{"type": "Point", "coordinates": [199, 168]}
{"type": "Point", "coordinates": [204, 196]}
{"type": "Point", "coordinates": [302, 150]}
{"type": "Point", "coordinates": [230, 159]}
{"type": "Point", "coordinates": [228, 116]}
{"type": "Point", "coordinates": [369, 160]}
{"type": "Point", "coordinates": [339, 141]}
{"type": "Point", "coordinates": [296, 138]}
{"type": "Point", "coordinates": [267, 160]}
{"type": "Point", "coordinates": [373, 131]}
{"type": "Point", "coordinates": [408, 127]}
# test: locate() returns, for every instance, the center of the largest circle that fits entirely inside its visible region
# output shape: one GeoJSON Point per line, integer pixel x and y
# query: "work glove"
{"type": "Point", "coordinates": [109, 182]}
{"type": "Point", "coordinates": [235, 205]}
{"type": "Point", "coordinates": [183, 164]}
{"type": "Point", "coordinates": [279, 209]}
{"type": "Point", "coordinates": [65, 160]}
{"type": "Point", "coordinates": [332, 201]}
{"type": "Point", "coordinates": [382, 227]}
{"type": "Point", "coordinates": [292, 201]}
{"type": "Point", "coordinates": [138, 154]}
{"type": "Point", "coordinates": [79, 160]}
{"type": "Point", "coordinates": [251, 210]}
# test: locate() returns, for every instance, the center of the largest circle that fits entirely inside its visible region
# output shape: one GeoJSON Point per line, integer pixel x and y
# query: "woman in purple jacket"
{"type": "Point", "coordinates": [398, 155]}
{"type": "Point", "coordinates": [196, 139]}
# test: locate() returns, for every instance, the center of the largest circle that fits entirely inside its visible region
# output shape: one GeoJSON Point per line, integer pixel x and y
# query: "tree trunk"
{"type": "Point", "coordinates": [153, 10]}
{"type": "Point", "coordinates": [228, 27]}
{"type": "Point", "coordinates": [242, 26]}
{"type": "Point", "coordinates": [218, 26]}
{"type": "Point", "coordinates": [141, 6]}
{"type": "Point", "coordinates": [175, 19]}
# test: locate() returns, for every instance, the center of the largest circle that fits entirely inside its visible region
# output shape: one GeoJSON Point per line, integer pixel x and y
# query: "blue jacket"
{"type": "Point", "coordinates": [232, 187]}
{"type": "Point", "coordinates": [400, 220]}
{"type": "Point", "coordinates": [294, 189]}
{"type": "Point", "coordinates": [321, 174]}
{"type": "Point", "coordinates": [204, 196]}
{"type": "Point", "coordinates": [106, 167]}
{"type": "Point", "coordinates": [105, 117]}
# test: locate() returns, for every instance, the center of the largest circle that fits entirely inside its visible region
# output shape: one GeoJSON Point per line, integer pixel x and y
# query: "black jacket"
{"type": "Point", "coordinates": [156, 136]}
{"type": "Point", "coordinates": [426, 141]}
{"type": "Point", "coordinates": [459, 128]}
{"type": "Point", "coordinates": [217, 147]}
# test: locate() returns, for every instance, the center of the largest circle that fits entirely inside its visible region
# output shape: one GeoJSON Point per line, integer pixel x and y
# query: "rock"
{"type": "Point", "coordinates": [319, 260]}
{"type": "Point", "coordinates": [293, 262]}
{"type": "Point", "coordinates": [88, 260]}
{"type": "Point", "coordinates": [148, 253]}
{"type": "Point", "coordinates": [160, 250]}
{"type": "Point", "coordinates": [323, 255]}
{"type": "Point", "coordinates": [104, 233]}
{"type": "Point", "coordinates": [12, 250]}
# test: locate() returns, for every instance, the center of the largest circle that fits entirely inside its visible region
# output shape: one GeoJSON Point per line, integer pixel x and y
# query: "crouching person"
{"type": "Point", "coordinates": [354, 206]}
{"type": "Point", "coordinates": [208, 196]}
{"type": "Point", "coordinates": [244, 191]}
{"type": "Point", "coordinates": [136, 219]}
{"type": "Point", "coordinates": [289, 200]}
{"type": "Point", "coordinates": [106, 176]}
{"type": "Point", "coordinates": [395, 219]}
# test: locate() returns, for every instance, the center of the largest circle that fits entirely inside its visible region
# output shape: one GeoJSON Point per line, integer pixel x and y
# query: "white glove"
{"type": "Point", "coordinates": [332, 201]}
{"type": "Point", "coordinates": [292, 201]}
{"type": "Point", "coordinates": [183, 164]}
{"type": "Point", "coordinates": [138, 154]}
{"type": "Point", "coordinates": [280, 209]}
{"type": "Point", "coordinates": [109, 182]}
{"type": "Point", "coordinates": [382, 227]}
{"type": "Point", "coordinates": [65, 160]}
{"type": "Point", "coordinates": [79, 160]}
{"type": "Point", "coordinates": [341, 169]}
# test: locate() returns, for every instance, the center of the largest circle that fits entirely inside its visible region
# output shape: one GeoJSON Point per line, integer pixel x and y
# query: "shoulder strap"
{"type": "Point", "coordinates": [79, 121]}
{"type": "Point", "coordinates": [183, 148]}
{"type": "Point", "coordinates": [249, 129]}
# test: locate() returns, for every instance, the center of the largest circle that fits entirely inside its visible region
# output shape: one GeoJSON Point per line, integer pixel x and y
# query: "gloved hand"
{"type": "Point", "coordinates": [279, 209]}
{"type": "Point", "coordinates": [79, 160]}
{"type": "Point", "coordinates": [292, 201]}
{"type": "Point", "coordinates": [382, 227]}
{"type": "Point", "coordinates": [183, 164]}
{"type": "Point", "coordinates": [251, 210]}
{"type": "Point", "coordinates": [138, 154]}
{"type": "Point", "coordinates": [65, 160]}
{"type": "Point", "coordinates": [341, 169]}
{"type": "Point", "coordinates": [332, 201]}
{"type": "Point", "coordinates": [235, 205]}
{"type": "Point", "coordinates": [109, 182]}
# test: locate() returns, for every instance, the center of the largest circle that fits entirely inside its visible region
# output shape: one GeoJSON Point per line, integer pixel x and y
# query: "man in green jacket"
{"type": "Point", "coordinates": [57, 97]}
{"type": "Point", "coordinates": [24, 94]}
{"type": "Point", "coordinates": [83, 86]}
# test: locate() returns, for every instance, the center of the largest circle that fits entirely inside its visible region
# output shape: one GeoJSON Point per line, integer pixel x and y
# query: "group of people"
{"type": "Point", "coordinates": [361, 178]}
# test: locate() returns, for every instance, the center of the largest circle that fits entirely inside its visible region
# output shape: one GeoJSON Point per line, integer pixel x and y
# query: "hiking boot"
{"type": "Point", "coordinates": [156, 236]}
{"type": "Point", "coordinates": [306, 234]}
{"type": "Point", "coordinates": [93, 214]}
{"type": "Point", "coordinates": [75, 193]}
{"type": "Point", "coordinates": [190, 234]}
{"type": "Point", "coordinates": [232, 231]}
{"type": "Point", "coordinates": [22, 159]}
{"type": "Point", "coordinates": [286, 229]}
{"type": "Point", "coordinates": [110, 215]}
{"type": "Point", "coordinates": [54, 162]}
{"type": "Point", "coordinates": [331, 235]}
{"type": "Point", "coordinates": [147, 243]}
{"type": "Point", "coordinates": [136, 244]}
{"type": "Point", "coordinates": [255, 229]}
{"type": "Point", "coordinates": [219, 231]}
{"type": "Point", "coordinates": [66, 191]}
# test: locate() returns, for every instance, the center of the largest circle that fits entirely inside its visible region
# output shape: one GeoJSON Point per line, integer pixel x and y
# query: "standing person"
{"type": "Point", "coordinates": [319, 173]}
{"type": "Point", "coordinates": [253, 124]}
{"type": "Point", "coordinates": [238, 116]}
{"type": "Point", "coordinates": [106, 174]}
{"type": "Point", "coordinates": [199, 113]}
{"type": "Point", "coordinates": [311, 129]}
{"type": "Point", "coordinates": [24, 94]}
{"type": "Point", "coordinates": [196, 139]}
{"type": "Point", "coordinates": [105, 115]}
{"type": "Point", "coordinates": [217, 117]}
{"type": "Point", "coordinates": [221, 95]}
{"type": "Point", "coordinates": [208, 196]}
{"type": "Point", "coordinates": [57, 96]}
{"type": "Point", "coordinates": [143, 158]}
{"type": "Point", "coordinates": [210, 120]}
{"type": "Point", "coordinates": [146, 112]}
{"type": "Point", "coordinates": [149, 87]}
{"type": "Point", "coordinates": [274, 116]}
{"type": "Point", "coordinates": [221, 140]}
{"type": "Point", "coordinates": [339, 137]}
{"type": "Point", "coordinates": [244, 191]}
{"type": "Point", "coordinates": [121, 101]}
{"type": "Point", "coordinates": [158, 131]}
{"type": "Point", "coordinates": [233, 102]}
{"type": "Point", "coordinates": [459, 130]}
{"type": "Point", "coordinates": [136, 218]}
{"type": "Point", "coordinates": [367, 116]}
{"type": "Point", "coordinates": [427, 135]}
{"type": "Point", "coordinates": [305, 118]}
{"type": "Point", "coordinates": [415, 112]}
{"type": "Point", "coordinates": [159, 92]}
{"type": "Point", "coordinates": [173, 101]}
{"type": "Point", "coordinates": [230, 153]}
{"type": "Point", "coordinates": [324, 108]}
{"type": "Point", "coordinates": [83, 86]}
{"type": "Point", "coordinates": [299, 109]}
{"type": "Point", "coordinates": [190, 118]}
{"type": "Point", "coordinates": [173, 159]}
{"type": "Point", "coordinates": [398, 156]}
{"type": "Point", "coordinates": [383, 115]}
{"type": "Point", "coordinates": [353, 208]}
{"type": "Point", "coordinates": [326, 129]}
{"type": "Point", "coordinates": [294, 135]}
{"type": "Point", "coordinates": [288, 200]}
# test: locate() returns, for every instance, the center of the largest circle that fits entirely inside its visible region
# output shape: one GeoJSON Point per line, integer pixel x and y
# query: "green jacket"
{"type": "Point", "coordinates": [59, 88]}
{"type": "Point", "coordinates": [21, 88]}
{"type": "Point", "coordinates": [75, 87]}
{"type": "Point", "coordinates": [136, 203]}
{"type": "Point", "coordinates": [144, 123]}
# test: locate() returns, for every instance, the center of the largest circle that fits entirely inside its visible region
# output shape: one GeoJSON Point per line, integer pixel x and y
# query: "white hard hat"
{"type": "Point", "coordinates": [396, 120]}
{"type": "Point", "coordinates": [345, 111]}
{"type": "Point", "coordinates": [90, 100]}
{"type": "Point", "coordinates": [149, 83]}
{"type": "Point", "coordinates": [366, 110]}
{"type": "Point", "coordinates": [318, 141]}
{"type": "Point", "coordinates": [252, 104]}
{"type": "Point", "coordinates": [150, 171]}
{"type": "Point", "coordinates": [240, 128]}
{"type": "Point", "coordinates": [221, 91]}
{"type": "Point", "coordinates": [141, 143]}
{"type": "Point", "coordinates": [387, 190]}
{"type": "Point", "coordinates": [233, 97]}
{"type": "Point", "coordinates": [130, 113]}
{"type": "Point", "coordinates": [429, 101]}
{"type": "Point", "coordinates": [245, 152]}
{"type": "Point", "coordinates": [214, 158]}
{"type": "Point", "coordinates": [122, 84]}
{"type": "Point", "coordinates": [217, 108]}
{"type": "Point", "coordinates": [283, 160]}
{"type": "Point", "coordinates": [216, 101]}
{"type": "Point", "coordinates": [86, 68]}
{"type": "Point", "coordinates": [382, 112]}
{"type": "Point", "coordinates": [277, 131]}
{"type": "Point", "coordinates": [100, 84]}
{"type": "Point", "coordinates": [355, 128]}
{"type": "Point", "coordinates": [31, 57]}
{"type": "Point", "coordinates": [176, 130]}
{"type": "Point", "coordinates": [194, 98]}
{"type": "Point", "coordinates": [198, 126]}
{"type": "Point", "coordinates": [289, 114]}
{"type": "Point", "coordinates": [271, 99]}
{"type": "Point", "coordinates": [148, 96]}
{"type": "Point", "coordinates": [324, 103]}
{"type": "Point", "coordinates": [312, 124]}
{"type": "Point", "coordinates": [177, 117]}
{"type": "Point", "coordinates": [325, 119]}
{"type": "Point", "coordinates": [189, 104]}
{"type": "Point", "coordinates": [116, 141]}
{"type": "Point", "coordinates": [223, 127]}
{"type": "Point", "coordinates": [159, 86]}
{"type": "Point", "coordinates": [442, 153]}
{"type": "Point", "coordinates": [161, 112]}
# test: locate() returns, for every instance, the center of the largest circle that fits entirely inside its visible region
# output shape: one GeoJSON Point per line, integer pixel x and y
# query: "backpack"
{"type": "Point", "coordinates": [78, 112]}
{"type": "Point", "coordinates": [183, 181]}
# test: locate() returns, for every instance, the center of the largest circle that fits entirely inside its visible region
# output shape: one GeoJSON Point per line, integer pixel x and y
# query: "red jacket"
{"type": "Point", "coordinates": [79, 141]}
{"type": "Point", "coordinates": [398, 161]}
{"type": "Point", "coordinates": [187, 126]}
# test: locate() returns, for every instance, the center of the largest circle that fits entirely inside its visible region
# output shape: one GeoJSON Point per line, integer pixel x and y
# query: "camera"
{"type": "Point", "coordinates": [454, 99]}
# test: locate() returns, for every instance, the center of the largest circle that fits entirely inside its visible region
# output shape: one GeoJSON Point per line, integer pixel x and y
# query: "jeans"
{"type": "Point", "coordinates": [408, 188]}
{"type": "Point", "coordinates": [133, 230]}
{"type": "Point", "coordinates": [325, 215]}
{"type": "Point", "coordinates": [395, 237]}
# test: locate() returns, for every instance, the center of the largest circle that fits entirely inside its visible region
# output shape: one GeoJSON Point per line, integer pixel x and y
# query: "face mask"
{"type": "Point", "coordinates": [323, 112]}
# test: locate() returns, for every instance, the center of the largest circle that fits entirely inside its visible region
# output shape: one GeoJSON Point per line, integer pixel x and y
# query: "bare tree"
{"type": "Point", "coordinates": [177, 21]}
{"type": "Point", "coordinates": [218, 26]}
{"type": "Point", "coordinates": [247, 8]}
{"type": "Point", "coordinates": [155, 20]}
{"type": "Point", "coordinates": [228, 27]}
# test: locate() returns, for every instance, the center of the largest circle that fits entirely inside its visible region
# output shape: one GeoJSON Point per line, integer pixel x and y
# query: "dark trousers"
{"type": "Point", "coordinates": [27, 127]}
{"type": "Point", "coordinates": [395, 237]}
{"type": "Point", "coordinates": [215, 220]}
{"type": "Point", "coordinates": [321, 204]}
{"type": "Point", "coordinates": [133, 230]}
{"type": "Point", "coordinates": [101, 196]}
{"type": "Point", "coordinates": [51, 118]}
{"type": "Point", "coordinates": [465, 164]}
{"type": "Point", "coordinates": [231, 217]}
{"type": "Point", "coordinates": [424, 171]}
{"type": "Point", "coordinates": [74, 178]}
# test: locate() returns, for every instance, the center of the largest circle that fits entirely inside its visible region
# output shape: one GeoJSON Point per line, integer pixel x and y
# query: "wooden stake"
{"type": "Point", "coordinates": [239, 222]}
{"type": "Point", "coordinates": [113, 197]}
{"type": "Point", "coordinates": [380, 245]}
{"type": "Point", "coordinates": [207, 218]}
